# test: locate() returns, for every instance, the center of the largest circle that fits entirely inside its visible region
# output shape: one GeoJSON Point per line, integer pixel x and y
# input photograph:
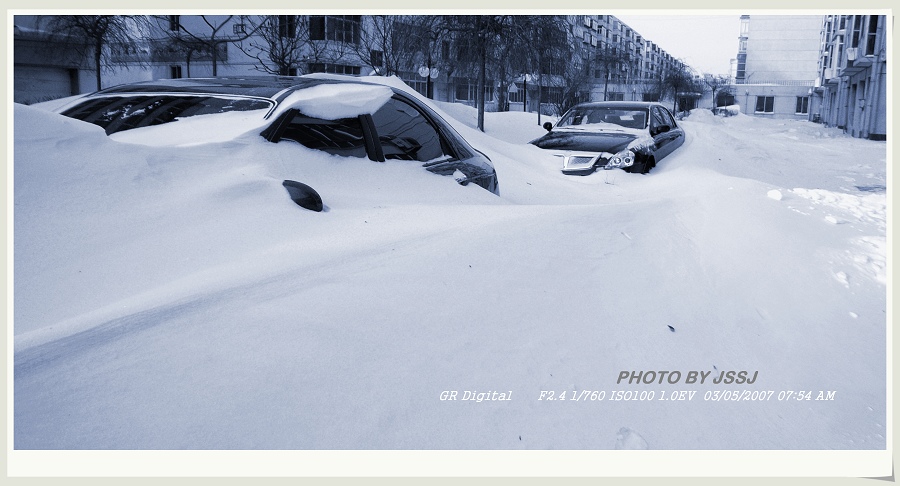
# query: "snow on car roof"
{"type": "Point", "coordinates": [329, 98]}
{"type": "Point", "coordinates": [332, 101]}
{"type": "Point", "coordinates": [260, 86]}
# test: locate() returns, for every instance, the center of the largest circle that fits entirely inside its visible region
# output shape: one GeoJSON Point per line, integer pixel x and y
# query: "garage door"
{"type": "Point", "coordinates": [39, 83]}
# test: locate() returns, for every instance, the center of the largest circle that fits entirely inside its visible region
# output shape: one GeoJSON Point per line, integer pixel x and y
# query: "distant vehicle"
{"type": "Point", "coordinates": [340, 115]}
{"type": "Point", "coordinates": [633, 136]}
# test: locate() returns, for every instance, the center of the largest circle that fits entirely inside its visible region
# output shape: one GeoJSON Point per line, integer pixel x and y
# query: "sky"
{"type": "Point", "coordinates": [704, 42]}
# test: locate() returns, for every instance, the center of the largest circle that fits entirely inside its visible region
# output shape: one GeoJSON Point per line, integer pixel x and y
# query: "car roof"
{"type": "Point", "coordinates": [617, 104]}
{"type": "Point", "coordinates": [271, 87]}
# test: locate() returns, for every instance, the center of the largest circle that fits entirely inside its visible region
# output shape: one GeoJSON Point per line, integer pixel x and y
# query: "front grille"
{"type": "Point", "coordinates": [579, 161]}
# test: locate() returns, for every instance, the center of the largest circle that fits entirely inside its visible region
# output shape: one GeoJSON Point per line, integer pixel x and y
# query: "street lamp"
{"type": "Point", "coordinates": [428, 73]}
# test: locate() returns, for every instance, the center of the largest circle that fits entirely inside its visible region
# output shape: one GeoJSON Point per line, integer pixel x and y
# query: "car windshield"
{"type": "Point", "coordinates": [600, 116]}
{"type": "Point", "coordinates": [118, 113]}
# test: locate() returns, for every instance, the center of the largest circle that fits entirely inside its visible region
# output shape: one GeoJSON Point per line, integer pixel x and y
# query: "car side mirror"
{"type": "Point", "coordinates": [548, 126]}
{"type": "Point", "coordinates": [303, 195]}
{"type": "Point", "coordinates": [660, 129]}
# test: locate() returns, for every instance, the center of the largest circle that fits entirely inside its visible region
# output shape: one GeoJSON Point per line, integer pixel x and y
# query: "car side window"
{"type": "Point", "coordinates": [667, 116]}
{"type": "Point", "coordinates": [120, 113]}
{"type": "Point", "coordinates": [339, 137]}
{"type": "Point", "coordinates": [657, 117]}
{"type": "Point", "coordinates": [406, 133]}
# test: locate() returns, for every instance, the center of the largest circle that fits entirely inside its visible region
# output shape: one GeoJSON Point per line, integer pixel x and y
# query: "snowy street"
{"type": "Point", "coordinates": [173, 298]}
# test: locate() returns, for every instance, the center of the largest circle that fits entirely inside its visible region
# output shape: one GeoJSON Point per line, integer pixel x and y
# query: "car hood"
{"type": "Point", "coordinates": [611, 142]}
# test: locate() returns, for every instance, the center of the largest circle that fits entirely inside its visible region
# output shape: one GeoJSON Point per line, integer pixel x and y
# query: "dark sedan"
{"type": "Point", "coordinates": [633, 136]}
{"type": "Point", "coordinates": [340, 115]}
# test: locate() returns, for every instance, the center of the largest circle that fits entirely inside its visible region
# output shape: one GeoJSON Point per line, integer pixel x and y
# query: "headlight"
{"type": "Point", "coordinates": [624, 158]}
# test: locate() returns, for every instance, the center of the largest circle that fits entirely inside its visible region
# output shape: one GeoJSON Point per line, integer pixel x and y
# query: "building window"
{"type": "Point", "coordinates": [551, 94]}
{"type": "Point", "coordinates": [175, 23]}
{"type": "Point", "coordinates": [467, 90]}
{"type": "Point", "coordinates": [376, 58]}
{"type": "Point", "coordinates": [316, 27]}
{"type": "Point", "coordinates": [464, 90]}
{"type": "Point", "coordinates": [765, 104]}
{"type": "Point", "coordinates": [517, 95]}
{"type": "Point", "coordinates": [414, 81]}
{"type": "Point", "coordinates": [872, 35]}
{"type": "Point", "coordinates": [615, 96]}
{"type": "Point", "coordinates": [840, 55]}
{"type": "Point", "coordinates": [802, 105]}
{"type": "Point", "coordinates": [345, 28]}
{"type": "Point", "coordinates": [318, 67]}
{"type": "Point", "coordinates": [857, 27]}
{"type": "Point", "coordinates": [238, 29]}
{"type": "Point", "coordinates": [552, 68]}
{"type": "Point", "coordinates": [287, 26]}
{"type": "Point", "coordinates": [339, 28]}
{"type": "Point", "coordinates": [174, 72]}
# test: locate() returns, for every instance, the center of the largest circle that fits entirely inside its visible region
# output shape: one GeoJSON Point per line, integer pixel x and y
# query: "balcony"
{"type": "Point", "coordinates": [830, 76]}
{"type": "Point", "coordinates": [856, 61]}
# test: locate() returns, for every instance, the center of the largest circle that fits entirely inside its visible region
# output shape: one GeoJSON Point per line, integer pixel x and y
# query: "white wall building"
{"type": "Point", "coordinates": [777, 65]}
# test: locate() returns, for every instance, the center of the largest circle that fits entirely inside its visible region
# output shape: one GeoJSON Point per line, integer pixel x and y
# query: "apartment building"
{"type": "Point", "coordinates": [777, 64]}
{"type": "Point", "coordinates": [621, 64]}
{"type": "Point", "coordinates": [639, 62]}
{"type": "Point", "coordinates": [44, 69]}
{"type": "Point", "coordinates": [851, 87]}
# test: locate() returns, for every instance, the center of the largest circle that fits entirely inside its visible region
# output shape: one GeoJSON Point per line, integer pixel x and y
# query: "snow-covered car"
{"type": "Point", "coordinates": [340, 115]}
{"type": "Point", "coordinates": [633, 136]}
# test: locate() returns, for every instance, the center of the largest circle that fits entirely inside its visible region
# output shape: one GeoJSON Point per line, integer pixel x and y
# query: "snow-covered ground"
{"type": "Point", "coordinates": [174, 298]}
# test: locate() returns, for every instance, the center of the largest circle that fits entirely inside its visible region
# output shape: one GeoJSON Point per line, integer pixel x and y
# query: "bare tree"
{"type": "Point", "coordinates": [97, 36]}
{"type": "Point", "coordinates": [612, 60]}
{"type": "Point", "coordinates": [183, 48]}
{"type": "Point", "coordinates": [293, 44]}
{"type": "Point", "coordinates": [386, 46]}
{"type": "Point", "coordinates": [550, 46]}
{"type": "Point", "coordinates": [280, 43]}
{"type": "Point", "coordinates": [211, 37]}
{"type": "Point", "coordinates": [426, 37]}
{"type": "Point", "coordinates": [677, 79]}
{"type": "Point", "coordinates": [716, 84]}
{"type": "Point", "coordinates": [332, 39]}
{"type": "Point", "coordinates": [576, 81]}
{"type": "Point", "coordinates": [525, 40]}
{"type": "Point", "coordinates": [474, 37]}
